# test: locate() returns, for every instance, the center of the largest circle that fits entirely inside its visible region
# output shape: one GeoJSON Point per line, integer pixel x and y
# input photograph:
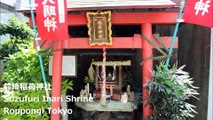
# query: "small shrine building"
{"type": "Point", "coordinates": [128, 21]}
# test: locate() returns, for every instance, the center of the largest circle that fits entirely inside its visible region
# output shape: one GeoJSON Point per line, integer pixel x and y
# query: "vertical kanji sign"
{"type": "Point", "coordinates": [199, 12]}
{"type": "Point", "coordinates": [51, 19]}
{"type": "Point", "coordinates": [99, 25]}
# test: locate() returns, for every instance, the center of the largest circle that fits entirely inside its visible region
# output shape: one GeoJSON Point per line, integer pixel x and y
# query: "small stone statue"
{"type": "Point", "coordinates": [130, 94]}
{"type": "Point", "coordinates": [84, 92]}
{"type": "Point", "coordinates": [124, 98]}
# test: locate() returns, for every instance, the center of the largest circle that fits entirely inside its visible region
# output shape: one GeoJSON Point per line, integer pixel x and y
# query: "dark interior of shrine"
{"type": "Point", "coordinates": [117, 30]}
{"type": "Point", "coordinates": [122, 30]}
{"type": "Point", "coordinates": [86, 56]}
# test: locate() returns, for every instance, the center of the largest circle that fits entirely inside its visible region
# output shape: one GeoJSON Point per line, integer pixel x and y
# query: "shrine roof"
{"type": "Point", "coordinates": [105, 4]}
{"type": "Point", "coordinates": [76, 5]}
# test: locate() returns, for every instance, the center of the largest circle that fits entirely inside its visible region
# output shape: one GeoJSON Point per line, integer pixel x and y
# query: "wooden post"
{"type": "Point", "coordinates": [147, 65]}
{"type": "Point", "coordinates": [111, 90]}
{"type": "Point", "coordinates": [115, 73]}
{"type": "Point", "coordinates": [56, 79]}
{"type": "Point", "coordinates": [120, 77]}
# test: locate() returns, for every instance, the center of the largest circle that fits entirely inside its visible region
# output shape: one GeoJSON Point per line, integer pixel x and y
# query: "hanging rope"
{"type": "Point", "coordinates": [103, 89]}
{"type": "Point", "coordinates": [38, 49]}
{"type": "Point", "coordinates": [179, 20]}
{"type": "Point", "coordinates": [113, 63]}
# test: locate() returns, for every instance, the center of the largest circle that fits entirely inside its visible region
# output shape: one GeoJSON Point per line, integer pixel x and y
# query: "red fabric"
{"type": "Point", "coordinates": [49, 12]}
{"type": "Point", "coordinates": [199, 12]}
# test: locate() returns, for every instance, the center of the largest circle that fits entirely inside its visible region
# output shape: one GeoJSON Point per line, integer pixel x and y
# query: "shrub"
{"type": "Point", "coordinates": [24, 67]}
{"type": "Point", "coordinates": [169, 92]}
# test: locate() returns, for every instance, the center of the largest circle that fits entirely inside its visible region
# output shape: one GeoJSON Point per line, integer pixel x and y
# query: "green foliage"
{"type": "Point", "coordinates": [24, 67]}
{"type": "Point", "coordinates": [168, 94]}
{"type": "Point", "coordinates": [66, 85]}
{"type": "Point", "coordinates": [20, 35]}
{"type": "Point", "coordinates": [17, 29]}
{"type": "Point", "coordinates": [76, 115]}
{"type": "Point", "coordinates": [87, 80]}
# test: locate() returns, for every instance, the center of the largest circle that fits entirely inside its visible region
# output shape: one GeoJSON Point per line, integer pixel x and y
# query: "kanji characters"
{"type": "Point", "coordinates": [45, 2]}
{"type": "Point", "coordinates": [49, 11]}
{"type": "Point", "coordinates": [202, 6]}
{"type": "Point", "coordinates": [50, 24]}
{"type": "Point", "coordinates": [26, 86]}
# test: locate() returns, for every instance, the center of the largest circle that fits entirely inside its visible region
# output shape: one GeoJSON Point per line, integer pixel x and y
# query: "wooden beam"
{"type": "Point", "coordinates": [120, 78]}
{"type": "Point", "coordinates": [129, 18]}
{"type": "Point", "coordinates": [118, 43]}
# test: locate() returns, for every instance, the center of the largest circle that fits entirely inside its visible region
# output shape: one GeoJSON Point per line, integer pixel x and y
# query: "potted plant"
{"type": "Point", "coordinates": [168, 92]}
{"type": "Point", "coordinates": [88, 82]}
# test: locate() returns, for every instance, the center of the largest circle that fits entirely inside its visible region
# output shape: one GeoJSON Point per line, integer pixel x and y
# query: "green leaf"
{"type": "Point", "coordinates": [178, 93]}
{"type": "Point", "coordinates": [169, 83]}
{"type": "Point", "coordinates": [169, 91]}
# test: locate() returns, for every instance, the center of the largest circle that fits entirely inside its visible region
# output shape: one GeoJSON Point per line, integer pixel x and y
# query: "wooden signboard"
{"type": "Point", "coordinates": [99, 25]}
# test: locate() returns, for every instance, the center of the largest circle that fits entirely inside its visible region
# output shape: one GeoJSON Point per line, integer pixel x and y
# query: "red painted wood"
{"type": "Point", "coordinates": [56, 78]}
{"type": "Point", "coordinates": [129, 18]}
{"type": "Point", "coordinates": [30, 21]}
{"type": "Point", "coordinates": [118, 42]}
{"type": "Point", "coordinates": [147, 65]}
{"type": "Point", "coordinates": [144, 18]}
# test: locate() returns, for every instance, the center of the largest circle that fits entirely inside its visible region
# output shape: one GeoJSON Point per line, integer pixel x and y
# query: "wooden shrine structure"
{"type": "Point", "coordinates": [114, 80]}
{"type": "Point", "coordinates": [123, 12]}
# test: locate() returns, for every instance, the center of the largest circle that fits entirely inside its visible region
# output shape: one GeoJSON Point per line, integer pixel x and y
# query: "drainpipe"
{"type": "Point", "coordinates": [210, 115]}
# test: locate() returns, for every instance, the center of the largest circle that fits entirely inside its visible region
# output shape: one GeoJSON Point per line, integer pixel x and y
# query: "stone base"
{"type": "Point", "coordinates": [91, 115]}
{"type": "Point", "coordinates": [114, 106]}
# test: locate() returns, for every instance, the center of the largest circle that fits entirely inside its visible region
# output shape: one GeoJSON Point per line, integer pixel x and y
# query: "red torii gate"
{"type": "Point", "coordinates": [145, 19]}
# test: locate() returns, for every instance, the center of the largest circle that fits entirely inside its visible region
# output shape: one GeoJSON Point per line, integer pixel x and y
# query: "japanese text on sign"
{"type": "Point", "coordinates": [99, 25]}
{"type": "Point", "coordinates": [49, 14]}
{"type": "Point", "coordinates": [26, 86]}
{"type": "Point", "coordinates": [202, 6]}
{"type": "Point", "coordinates": [51, 19]}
